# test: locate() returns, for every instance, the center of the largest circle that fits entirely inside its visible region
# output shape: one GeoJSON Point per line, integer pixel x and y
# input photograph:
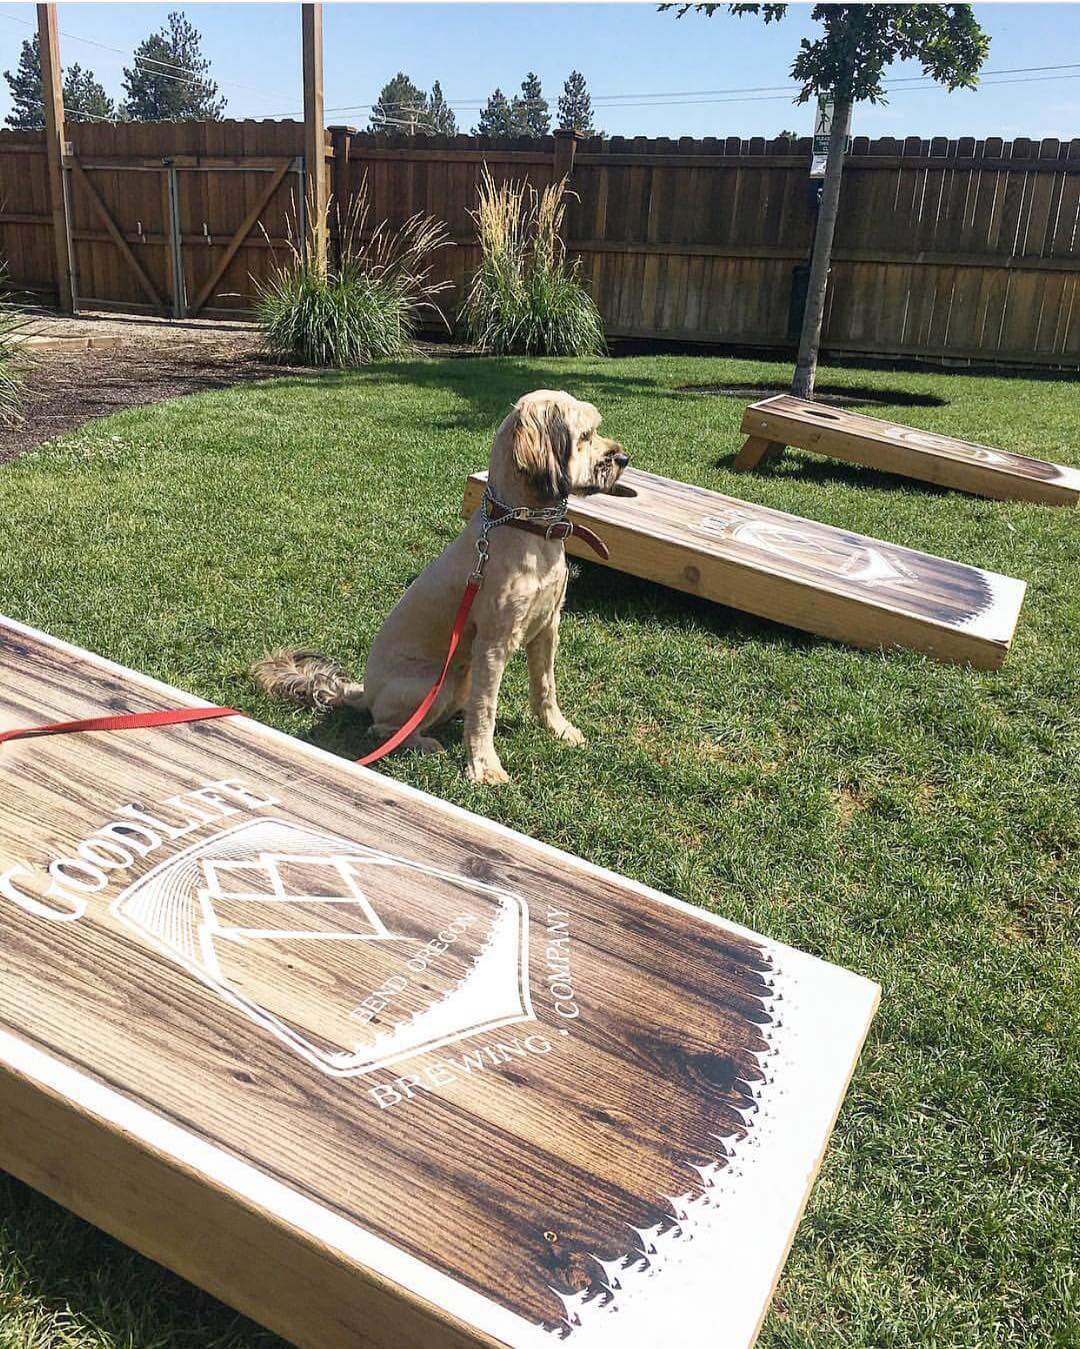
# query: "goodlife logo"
{"type": "Point", "coordinates": [354, 958]}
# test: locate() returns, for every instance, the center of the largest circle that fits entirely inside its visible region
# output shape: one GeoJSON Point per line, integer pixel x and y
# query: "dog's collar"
{"type": "Point", "coordinates": [549, 522]}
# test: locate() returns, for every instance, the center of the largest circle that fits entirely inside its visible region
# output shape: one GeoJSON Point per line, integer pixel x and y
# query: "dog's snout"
{"type": "Point", "coordinates": [622, 458]}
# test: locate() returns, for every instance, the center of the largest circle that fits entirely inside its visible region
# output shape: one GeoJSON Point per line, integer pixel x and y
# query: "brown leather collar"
{"type": "Point", "coordinates": [556, 529]}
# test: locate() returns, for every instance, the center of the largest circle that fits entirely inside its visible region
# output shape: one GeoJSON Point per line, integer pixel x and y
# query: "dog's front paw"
{"type": "Point", "coordinates": [569, 734]}
{"type": "Point", "coordinates": [487, 771]}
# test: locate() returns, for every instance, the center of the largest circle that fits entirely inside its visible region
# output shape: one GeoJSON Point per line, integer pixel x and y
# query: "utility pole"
{"type": "Point", "coordinates": [52, 95]}
{"type": "Point", "coordinates": [314, 134]}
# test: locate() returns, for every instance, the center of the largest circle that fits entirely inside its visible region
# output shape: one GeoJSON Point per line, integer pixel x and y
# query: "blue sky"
{"type": "Point", "coordinates": [623, 49]}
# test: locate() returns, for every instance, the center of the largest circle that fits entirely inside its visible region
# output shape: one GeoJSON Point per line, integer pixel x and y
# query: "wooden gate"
{"type": "Point", "coordinates": [121, 235]}
{"type": "Point", "coordinates": [231, 218]}
{"type": "Point", "coordinates": [179, 235]}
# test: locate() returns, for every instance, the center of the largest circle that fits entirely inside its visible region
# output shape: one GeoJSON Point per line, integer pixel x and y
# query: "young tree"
{"type": "Point", "coordinates": [440, 114]}
{"type": "Point", "coordinates": [537, 115]}
{"type": "Point", "coordinates": [845, 65]}
{"type": "Point", "coordinates": [168, 78]}
{"type": "Point", "coordinates": [496, 117]}
{"type": "Point", "coordinates": [402, 107]}
{"type": "Point", "coordinates": [84, 98]}
{"type": "Point", "coordinates": [575, 105]}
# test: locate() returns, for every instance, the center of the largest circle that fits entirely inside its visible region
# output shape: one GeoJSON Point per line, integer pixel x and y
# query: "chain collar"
{"type": "Point", "coordinates": [553, 517]}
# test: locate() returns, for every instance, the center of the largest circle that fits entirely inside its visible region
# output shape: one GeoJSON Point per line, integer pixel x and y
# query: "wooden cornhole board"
{"type": "Point", "coordinates": [778, 422]}
{"type": "Point", "coordinates": [377, 1071]}
{"type": "Point", "coordinates": [811, 576]}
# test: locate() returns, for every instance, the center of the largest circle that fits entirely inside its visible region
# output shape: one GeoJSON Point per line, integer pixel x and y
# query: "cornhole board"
{"type": "Point", "coordinates": [775, 423]}
{"type": "Point", "coordinates": [824, 580]}
{"type": "Point", "coordinates": [379, 1072]}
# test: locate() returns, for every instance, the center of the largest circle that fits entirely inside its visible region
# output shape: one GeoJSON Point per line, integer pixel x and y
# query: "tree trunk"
{"type": "Point", "coordinates": [802, 385]}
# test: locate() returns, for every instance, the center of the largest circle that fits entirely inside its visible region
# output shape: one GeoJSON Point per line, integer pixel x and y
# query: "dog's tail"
{"type": "Point", "coordinates": [308, 678]}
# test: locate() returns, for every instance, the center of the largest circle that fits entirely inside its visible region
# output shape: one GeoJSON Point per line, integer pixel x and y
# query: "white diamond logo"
{"type": "Point", "coordinates": [354, 958]}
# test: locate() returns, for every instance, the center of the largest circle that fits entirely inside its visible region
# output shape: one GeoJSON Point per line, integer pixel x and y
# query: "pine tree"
{"type": "Point", "coordinates": [25, 85]}
{"type": "Point", "coordinates": [443, 121]}
{"type": "Point", "coordinates": [496, 118]}
{"type": "Point", "coordinates": [575, 105]}
{"type": "Point", "coordinates": [402, 107]}
{"type": "Point", "coordinates": [519, 118]}
{"type": "Point", "coordinates": [168, 78]}
{"type": "Point", "coordinates": [537, 113]}
{"type": "Point", "coordinates": [84, 98]}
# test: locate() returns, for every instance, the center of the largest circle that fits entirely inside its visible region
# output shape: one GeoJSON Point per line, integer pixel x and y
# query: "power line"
{"type": "Point", "coordinates": [143, 60]}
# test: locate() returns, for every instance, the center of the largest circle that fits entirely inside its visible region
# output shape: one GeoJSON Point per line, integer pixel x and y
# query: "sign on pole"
{"type": "Point", "coordinates": [822, 130]}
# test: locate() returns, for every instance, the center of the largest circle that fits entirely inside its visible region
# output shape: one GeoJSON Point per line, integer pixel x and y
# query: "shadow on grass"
{"type": "Point", "coordinates": [504, 381]}
{"type": "Point", "coordinates": [840, 395]}
{"type": "Point", "coordinates": [814, 469]}
{"type": "Point", "coordinates": [66, 1269]}
{"type": "Point", "coordinates": [612, 595]}
{"type": "Point", "coordinates": [349, 734]}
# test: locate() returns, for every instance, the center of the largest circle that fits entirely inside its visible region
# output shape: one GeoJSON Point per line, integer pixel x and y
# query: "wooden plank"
{"type": "Point", "coordinates": [827, 581]}
{"type": "Point", "coordinates": [118, 238]}
{"type": "Point", "coordinates": [314, 133]}
{"type": "Point", "coordinates": [379, 1072]}
{"type": "Point", "coordinates": [840, 434]}
{"type": "Point", "coordinates": [53, 100]}
{"type": "Point", "coordinates": [870, 255]}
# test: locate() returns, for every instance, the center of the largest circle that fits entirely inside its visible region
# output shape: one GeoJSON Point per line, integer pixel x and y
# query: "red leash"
{"type": "Point", "coordinates": [134, 721]}
{"type": "Point", "coordinates": [472, 589]}
{"type": "Point", "coordinates": [130, 721]}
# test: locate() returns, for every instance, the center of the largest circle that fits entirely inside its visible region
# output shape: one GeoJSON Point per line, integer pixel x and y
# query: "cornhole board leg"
{"type": "Point", "coordinates": [837, 433]}
{"type": "Point", "coordinates": [372, 1069]}
{"type": "Point", "coordinates": [757, 451]}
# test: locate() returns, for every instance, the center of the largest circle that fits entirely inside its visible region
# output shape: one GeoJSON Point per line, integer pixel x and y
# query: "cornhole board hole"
{"type": "Point", "coordinates": [775, 423]}
{"type": "Point", "coordinates": [377, 1071]}
{"type": "Point", "coordinates": [824, 580]}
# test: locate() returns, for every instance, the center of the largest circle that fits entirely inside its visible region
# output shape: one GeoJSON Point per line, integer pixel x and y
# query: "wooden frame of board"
{"type": "Point", "coordinates": [836, 433]}
{"type": "Point", "coordinates": [379, 1072]}
{"type": "Point", "coordinates": [811, 576]}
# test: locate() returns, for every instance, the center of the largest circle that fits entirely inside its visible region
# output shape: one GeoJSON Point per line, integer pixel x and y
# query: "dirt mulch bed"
{"type": "Point", "coordinates": [67, 388]}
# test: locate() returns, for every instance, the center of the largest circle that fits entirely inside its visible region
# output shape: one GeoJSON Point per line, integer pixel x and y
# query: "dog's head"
{"type": "Point", "coordinates": [552, 442]}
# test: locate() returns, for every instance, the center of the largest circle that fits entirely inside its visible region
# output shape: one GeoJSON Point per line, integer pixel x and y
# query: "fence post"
{"type": "Point", "coordinates": [340, 138]}
{"type": "Point", "coordinates": [53, 98]}
{"type": "Point", "coordinates": [565, 149]}
{"type": "Point", "coordinates": [314, 133]}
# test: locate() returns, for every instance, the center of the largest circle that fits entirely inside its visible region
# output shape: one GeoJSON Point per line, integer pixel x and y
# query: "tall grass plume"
{"type": "Point", "coordinates": [527, 298]}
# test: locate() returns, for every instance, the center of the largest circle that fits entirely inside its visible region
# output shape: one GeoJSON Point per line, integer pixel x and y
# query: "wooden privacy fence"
{"type": "Point", "coordinates": [946, 249]}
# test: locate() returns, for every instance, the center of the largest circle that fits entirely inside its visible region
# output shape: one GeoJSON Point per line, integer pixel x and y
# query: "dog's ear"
{"type": "Point", "coordinates": [541, 448]}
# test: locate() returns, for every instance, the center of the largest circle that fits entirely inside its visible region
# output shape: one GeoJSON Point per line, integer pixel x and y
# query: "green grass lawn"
{"type": "Point", "coordinates": [912, 821]}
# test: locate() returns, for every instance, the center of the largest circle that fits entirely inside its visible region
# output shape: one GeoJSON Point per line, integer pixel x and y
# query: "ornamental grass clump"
{"type": "Point", "coordinates": [527, 298]}
{"type": "Point", "coordinates": [366, 305]}
{"type": "Point", "coordinates": [11, 379]}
